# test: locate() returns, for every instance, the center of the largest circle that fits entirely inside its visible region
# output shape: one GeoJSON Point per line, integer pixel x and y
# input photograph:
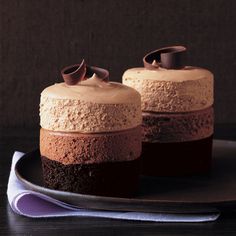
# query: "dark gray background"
{"type": "Point", "coordinates": [38, 38]}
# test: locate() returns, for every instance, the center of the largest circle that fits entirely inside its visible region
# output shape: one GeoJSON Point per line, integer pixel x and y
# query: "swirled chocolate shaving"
{"type": "Point", "coordinates": [75, 73]}
{"type": "Point", "coordinates": [100, 72]}
{"type": "Point", "coordinates": [168, 57]}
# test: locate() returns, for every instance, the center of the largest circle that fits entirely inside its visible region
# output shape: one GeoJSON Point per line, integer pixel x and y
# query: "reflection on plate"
{"type": "Point", "coordinates": [211, 193]}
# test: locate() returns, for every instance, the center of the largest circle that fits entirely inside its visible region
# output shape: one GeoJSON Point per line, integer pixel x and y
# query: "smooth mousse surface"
{"type": "Point", "coordinates": [90, 106]}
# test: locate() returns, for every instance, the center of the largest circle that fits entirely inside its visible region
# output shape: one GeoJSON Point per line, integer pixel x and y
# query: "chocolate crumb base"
{"type": "Point", "coordinates": [119, 179]}
{"type": "Point", "coordinates": [177, 159]}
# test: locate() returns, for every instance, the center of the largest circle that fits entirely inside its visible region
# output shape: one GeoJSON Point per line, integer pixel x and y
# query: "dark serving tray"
{"type": "Point", "coordinates": [197, 194]}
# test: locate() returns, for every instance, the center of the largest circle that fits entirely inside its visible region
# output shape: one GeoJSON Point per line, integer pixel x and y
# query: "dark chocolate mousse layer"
{"type": "Point", "coordinates": [177, 159]}
{"type": "Point", "coordinates": [177, 127]}
{"type": "Point", "coordinates": [110, 179]}
{"type": "Point", "coordinates": [81, 148]}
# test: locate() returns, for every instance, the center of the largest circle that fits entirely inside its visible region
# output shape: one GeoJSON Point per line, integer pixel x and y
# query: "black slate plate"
{"type": "Point", "coordinates": [215, 192]}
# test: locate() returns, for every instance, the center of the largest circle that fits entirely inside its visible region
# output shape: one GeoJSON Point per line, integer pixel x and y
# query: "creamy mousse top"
{"type": "Point", "coordinates": [91, 105]}
{"type": "Point", "coordinates": [170, 89]}
{"type": "Point", "coordinates": [93, 90]}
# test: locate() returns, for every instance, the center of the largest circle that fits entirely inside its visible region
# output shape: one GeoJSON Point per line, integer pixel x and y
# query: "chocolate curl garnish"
{"type": "Point", "coordinates": [168, 57]}
{"type": "Point", "coordinates": [102, 74]}
{"type": "Point", "coordinates": [75, 73]}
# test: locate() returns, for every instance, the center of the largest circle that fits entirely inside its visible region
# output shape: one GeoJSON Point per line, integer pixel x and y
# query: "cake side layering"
{"type": "Point", "coordinates": [177, 109]}
{"type": "Point", "coordinates": [90, 138]}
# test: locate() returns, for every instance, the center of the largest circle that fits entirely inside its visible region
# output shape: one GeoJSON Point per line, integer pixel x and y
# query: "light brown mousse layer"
{"type": "Point", "coordinates": [168, 90]}
{"type": "Point", "coordinates": [81, 148]}
{"type": "Point", "coordinates": [90, 106]}
{"type": "Point", "coordinates": [177, 127]}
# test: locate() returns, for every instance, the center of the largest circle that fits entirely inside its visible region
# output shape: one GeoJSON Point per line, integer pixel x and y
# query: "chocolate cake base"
{"type": "Point", "coordinates": [177, 159]}
{"type": "Point", "coordinates": [118, 179]}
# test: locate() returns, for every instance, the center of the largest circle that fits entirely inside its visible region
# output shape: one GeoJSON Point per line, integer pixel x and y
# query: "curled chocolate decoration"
{"type": "Point", "coordinates": [75, 73]}
{"type": "Point", "coordinates": [168, 57]}
{"type": "Point", "coordinates": [102, 74]}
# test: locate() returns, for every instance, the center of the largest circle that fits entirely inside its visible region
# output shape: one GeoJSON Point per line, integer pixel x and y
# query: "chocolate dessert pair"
{"type": "Point", "coordinates": [92, 130]}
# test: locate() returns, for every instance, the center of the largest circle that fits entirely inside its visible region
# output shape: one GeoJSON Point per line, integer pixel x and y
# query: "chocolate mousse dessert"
{"type": "Point", "coordinates": [90, 137]}
{"type": "Point", "coordinates": [177, 110]}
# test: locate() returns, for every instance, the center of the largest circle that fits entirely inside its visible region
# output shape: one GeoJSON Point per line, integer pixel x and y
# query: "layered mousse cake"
{"type": "Point", "coordinates": [90, 138]}
{"type": "Point", "coordinates": [177, 110]}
